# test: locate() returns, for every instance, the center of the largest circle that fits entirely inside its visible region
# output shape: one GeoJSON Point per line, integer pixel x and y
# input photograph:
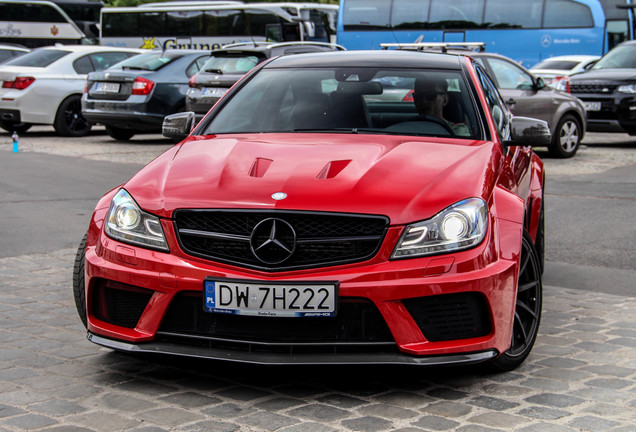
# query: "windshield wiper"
{"type": "Point", "coordinates": [134, 68]}
{"type": "Point", "coordinates": [216, 71]}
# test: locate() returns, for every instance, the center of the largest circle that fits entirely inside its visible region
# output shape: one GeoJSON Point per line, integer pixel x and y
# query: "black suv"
{"type": "Point", "coordinates": [608, 90]}
{"type": "Point", "coordinates": [228, 64]}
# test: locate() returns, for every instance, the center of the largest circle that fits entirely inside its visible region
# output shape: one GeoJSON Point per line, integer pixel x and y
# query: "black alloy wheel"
{"type": "Point", "coordinates": [527, 309]}
{"type": "Point", "coordinates": [69, 120]}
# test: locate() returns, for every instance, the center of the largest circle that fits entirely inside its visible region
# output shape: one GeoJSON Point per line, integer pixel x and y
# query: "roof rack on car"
{"type": "Point", "coordinates": [283, 44]}
{"type": "Point", "coordinates": [444, 46]}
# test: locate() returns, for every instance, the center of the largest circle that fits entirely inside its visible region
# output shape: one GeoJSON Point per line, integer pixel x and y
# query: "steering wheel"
{"type": "Point", "coordinates": [443, 123]}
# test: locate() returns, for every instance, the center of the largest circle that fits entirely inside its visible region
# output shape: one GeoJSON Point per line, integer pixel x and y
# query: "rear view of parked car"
{"type": "Point", "coordinates": [554, 69]}
{"type": "Point", "coordinates": [229, 64]}
{"type": "Point", "coordinates": [137, 94]}
{"type": "Point", "coordinates": [45, 86]}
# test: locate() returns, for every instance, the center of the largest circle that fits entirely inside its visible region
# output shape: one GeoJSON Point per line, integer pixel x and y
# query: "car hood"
{"type": "Point", "coordinates": [404, 178]}
{"type": "Point", "coordinates": [606, 75]}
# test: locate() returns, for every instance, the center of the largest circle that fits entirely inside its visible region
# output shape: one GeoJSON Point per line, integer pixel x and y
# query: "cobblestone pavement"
{"type": "Point", "coordinates": [581, 375]}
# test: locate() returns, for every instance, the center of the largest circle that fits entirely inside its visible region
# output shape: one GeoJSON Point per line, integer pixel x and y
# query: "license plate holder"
{"type": "Point", "coordinates": [270, 299]}
{"type": "Point", "coordinates": [106, 87]}
{"type": "Point", "coordinates": [214, 91]}
{"type": "Point", "coordinates": [592, 106]}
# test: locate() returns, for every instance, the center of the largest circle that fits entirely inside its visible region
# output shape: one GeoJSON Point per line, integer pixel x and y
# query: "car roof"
{"type": "Point", "coordinates": [14, 47]}
{"type": "Point", "coordinates": [371, 58]}
{"type": "Point", "coordinates": [572, 57]}
{"type": "Point", "coordinates": [270, 48]}
{"type": "Point", "coordinates": [89, 48]}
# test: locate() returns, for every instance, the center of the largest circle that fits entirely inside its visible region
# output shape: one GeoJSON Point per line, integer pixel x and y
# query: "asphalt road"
{"type": "Point", "coordinates": [49, 188]}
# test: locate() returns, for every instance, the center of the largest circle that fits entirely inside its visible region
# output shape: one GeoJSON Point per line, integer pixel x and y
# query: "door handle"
{"type": "Point", "coordinates": [511, 102]}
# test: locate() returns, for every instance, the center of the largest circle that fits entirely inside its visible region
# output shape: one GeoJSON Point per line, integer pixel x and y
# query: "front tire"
{"type": "Point", "coordinates": [567, 137]}
{"type": "Point", "coordinates": [527, 309]}
{"type": "Point", "coordinates": [69, 120]}
{"type": "Point", "coordinates": [79, 288]}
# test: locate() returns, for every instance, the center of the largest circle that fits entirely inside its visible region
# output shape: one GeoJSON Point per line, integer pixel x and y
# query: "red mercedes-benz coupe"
{"type": "Point", "coordinates": [316, 216]}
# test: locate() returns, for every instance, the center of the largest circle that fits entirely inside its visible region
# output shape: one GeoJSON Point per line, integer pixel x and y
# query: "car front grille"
{"type": "Point", "coordinates": [358, 326]}
{"type": "Point", "coordinates": [593, 87]}
{"type": "Point", "coordinates": [279, 240]}
{"type": "Point", "coordinates": [450, 316]}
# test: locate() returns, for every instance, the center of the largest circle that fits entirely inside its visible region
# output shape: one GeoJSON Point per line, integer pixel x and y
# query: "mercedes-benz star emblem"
{"type": "Point", "coordinates": [273, 241]}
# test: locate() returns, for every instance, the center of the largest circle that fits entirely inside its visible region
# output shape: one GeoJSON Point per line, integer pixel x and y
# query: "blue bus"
{"type": "Point", "coordinates": [527, 31]}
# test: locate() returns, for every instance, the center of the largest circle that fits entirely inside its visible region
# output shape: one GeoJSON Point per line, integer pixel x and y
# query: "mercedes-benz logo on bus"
{"type": "Point", "coordinates": [273, 241]}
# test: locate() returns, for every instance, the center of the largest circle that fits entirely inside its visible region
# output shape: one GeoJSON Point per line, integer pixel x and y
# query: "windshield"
{"type": "Point", "coordinates": [621, 57]}
{"type": "Point", "coordinates": [231, 64]}
{"type": "Point", "coordinates": [150, 62]}
{"type": "Point", "coordinates": [352, 100]}
{"type": "Point", "coordinates": [38, 58]}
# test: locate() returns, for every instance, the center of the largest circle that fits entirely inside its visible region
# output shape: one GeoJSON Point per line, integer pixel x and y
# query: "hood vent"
{"type": "Point", "coordinates": [332, 169]}
{"type": "Point", "coordinates": [260, 167]}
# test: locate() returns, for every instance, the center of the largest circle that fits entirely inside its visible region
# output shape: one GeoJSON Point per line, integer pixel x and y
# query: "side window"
{"type": "Point", "coordinates": [509, 76]}
{"type": "Point", "coordinates": [196, 65]}
{"type": "Point", "coordinates": [566, 13]}
{"type": "Point", "coordinates": [83, 65]}
{"type": "Point", "coordinates": [496, 105]}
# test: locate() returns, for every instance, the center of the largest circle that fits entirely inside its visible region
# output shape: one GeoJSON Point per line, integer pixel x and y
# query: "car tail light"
{"type": "Point", "coordinates": [562, 84]}
{"type": "Point", "coordinates": [86, 85]}
{"type": "Point", "coordinates": [142, 86]}
{"type": "Point", "coordinates": [408, 97]}
{"type": "Point", "coordinates": [192, 82]}
{"type": "Point", "coordinates": [20, 83]}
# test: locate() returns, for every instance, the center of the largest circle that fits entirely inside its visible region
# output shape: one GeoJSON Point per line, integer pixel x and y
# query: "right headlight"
{"type": "Point", "coordinates": [458, 227]}
{"type": "Point", "coordinates": [127, 223]}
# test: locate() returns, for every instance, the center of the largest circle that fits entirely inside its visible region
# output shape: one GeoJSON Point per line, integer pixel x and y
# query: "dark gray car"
{"type": "Point", "coordinates": [135, 95]}
{"type": "Point", "coordinates": [526, 95]}
{"type": "Point", "coordinates": [529, 96]}
{"type": "Point", "coordinates": [229, 64]}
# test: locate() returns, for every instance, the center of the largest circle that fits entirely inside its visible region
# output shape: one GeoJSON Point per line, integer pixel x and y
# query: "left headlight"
{"type": "Point", "coordinates": [458, 227]}
{"type": "Point", "coordinates": [127, 223]}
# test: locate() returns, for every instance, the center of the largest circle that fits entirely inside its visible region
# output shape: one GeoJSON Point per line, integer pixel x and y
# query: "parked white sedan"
{"type": "Point", "coordinates": [45, 86]}
{"type": "Point", "coordinates": [554, 69]}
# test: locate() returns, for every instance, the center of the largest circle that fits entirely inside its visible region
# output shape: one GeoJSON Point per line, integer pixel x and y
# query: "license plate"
{"type": "Point", "coordinates": [214, 91]}
{"type": "Point", "coordinates": [592, 106]}
{"type": "Point", "coordinates": [106, 87]}
{"type": "Point", "coordinates": [293, 299]}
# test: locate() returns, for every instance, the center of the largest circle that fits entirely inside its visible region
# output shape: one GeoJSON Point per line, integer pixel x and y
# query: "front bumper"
{"type": "Point", "coordinates": [617, 112]}
{"type": "Point", "coordinates": [390, 290]}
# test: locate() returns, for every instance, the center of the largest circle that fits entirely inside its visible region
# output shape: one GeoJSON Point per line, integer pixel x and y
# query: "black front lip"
{"type": "Point", "coordinates": [273, 359]}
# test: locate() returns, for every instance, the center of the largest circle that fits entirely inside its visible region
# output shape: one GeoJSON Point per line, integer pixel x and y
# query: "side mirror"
{"type": "Point", "coordinates": [539, 84]}
{"type": "Point", "coordinates": [178, 126]}
{"type": "Point", "coordinates": [526, 131]}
